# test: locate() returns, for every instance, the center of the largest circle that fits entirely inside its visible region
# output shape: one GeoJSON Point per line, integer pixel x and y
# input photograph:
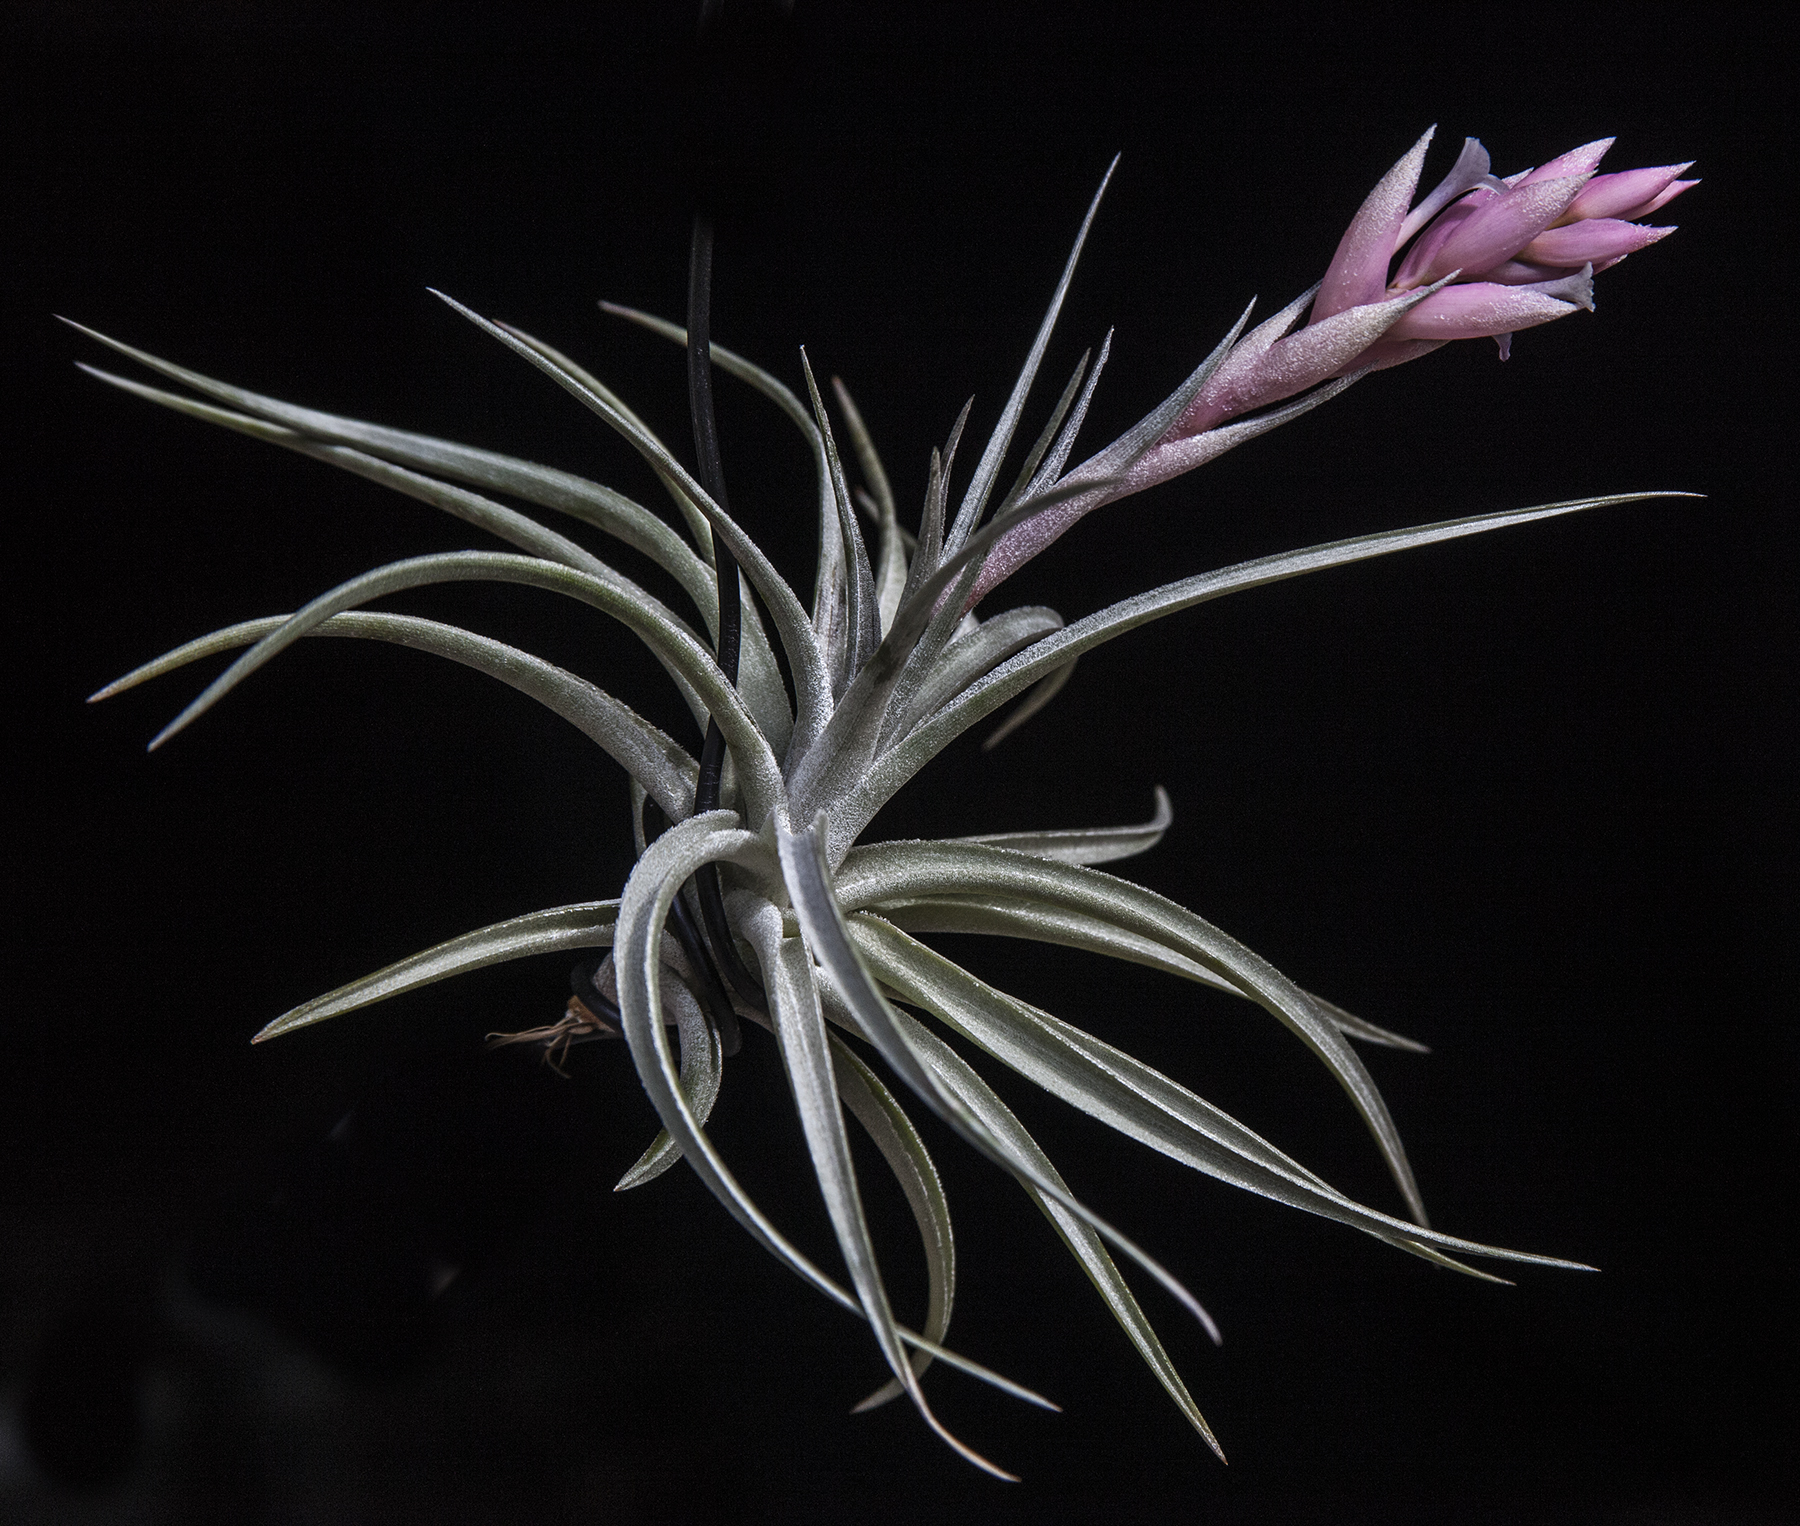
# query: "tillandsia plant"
{"type": "Point", "coordinates": [754, 898]}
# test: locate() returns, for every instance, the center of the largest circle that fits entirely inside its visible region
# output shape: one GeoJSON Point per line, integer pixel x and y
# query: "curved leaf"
{"type": "Point", "coordinates": [830, 541]}
{"type": "Point", "coordinates": [874, 1107]}
{"type": "Point", "coordinates": [1029, 473]}
{"type": "Point", "coordinates": [956, 1075]}
{"type": "Point", "coordinates": [757, 773]}
{"type": "Point", "coordinates": [647, 754]}
{"type": "Point", "coordinates": [923, 625]}
{"type": "Point", "coordinates": [1046, 474]}
{"type": "Point", "coordinates": [868, 459]}
{"type": "Point", "coordinates": [1019, 917]}
{"type": "Point", "coordinates": [472, 508]}
{"type": "Point", "coordinates": [885, 871]}
{"type": "Point", "coordinates": [791, 623]}
{"type": "Point", "coordinates": [890, 771]}
{"type": "Point", "coordinates": [806, 1053]}
{"type": "Point", "coordinates": [828, 937]}
{"type": "Point", "coordinates": [759, 679]}
{"type": "Point", "coordinates": [702, 1066]}
{"type": "Point", "coordinates": [665, 866]}
{"type": "Point", "coordinates": [560, 929]}
{"type": "Point", "coordinates": [861, 631]}
{"type": "Point", "coordinates": [1040, 695]}
{"type": "Point", "coordinates": [964, 660]}
{"type": "Point", "coordinates": [928, 546]}
{"type": "Point", "coordinates": [1126, 1094]}
{"type": "Point", "coordinates": [546, 486]}
{"type": "Point", "coordinates": [1085, 845]}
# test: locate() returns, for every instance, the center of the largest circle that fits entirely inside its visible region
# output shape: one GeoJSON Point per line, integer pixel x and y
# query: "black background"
{"type": "Point", "coordinates": [1521, 796]}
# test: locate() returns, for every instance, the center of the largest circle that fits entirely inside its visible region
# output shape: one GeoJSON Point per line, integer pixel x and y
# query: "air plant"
{"type": "Point", "coordinates": [754, 898]}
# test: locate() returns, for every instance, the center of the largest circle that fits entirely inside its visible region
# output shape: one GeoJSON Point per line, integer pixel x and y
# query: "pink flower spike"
{"type": "Point", "coordinates": [1359, 269]}
{"type": "Point", "coordinates": [1593, 242]}
{"type": "Point", "coordinates": [1622, 194]}
{"type": "Point", "coordinates": [1578, 161]}
{"type": "Point", "coordinates": [1501, 227]}
{"type": "Point", "coordinates": [1483, 309]}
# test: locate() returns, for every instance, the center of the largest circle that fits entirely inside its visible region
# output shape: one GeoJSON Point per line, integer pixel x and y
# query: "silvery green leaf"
{"type": "Point", "coordinates": [545, 486]}
{"type": "Point", "coordinates": [975, 500]}
{"type": "Point", "coordinates": [874, 1107]}
{"type": "Point", "coordinates": [868, 459]}
{"type": "Point", "coordinates": [891, 568]}
{"type": "Point", "coordinates": [733, 364]}
{"type": "Point", "coordinates": [830, 542]}
{"type": "Point", "coordinates": [702, 1066]}
{"type": "Point", "coordinates": [821, 919]}
{"type": "Point", "coordinates": [928, 549]}
{"type": "Point", "coordinates": [954, 1073]}
{"type": "Point", "coordinates": [922, 626]}
{"type": "Point", "coordinates": [761, 683]}
{"type": "Point", "coordinates": [1034, 456]}
{"type": "Point", "coordinates": [1025, 917]}
{"type": "Point", "coordinates": [1053, 463]}
{"type": "Point", "coordinates": [964, 660]}
{"type": "Point", "coordinates": [758, 774]}
{"type": "Point", "coordinates": [1128, 1095]}
{"type": "Point", "coordinates": [510, 525]}
{"type": "Point", "coordinates": [806, 1053]}
{"type": "Point", "coordinates": [884, 871]}
{"type": "Point", "coordinates": [791, 623]}
{"type": "Point", "coordinates": [905, 759]}
{"type": "Point", "coordinates": [561, 929]}
{"type": "Point", "coordinates": [1086, 845]}
{"type": "Point", "coordinates": [664, 867]}
{"type": "Point", "coordinates": [759, 679]}
{"type": "Point", "coordinates": [472, 508]}
{"type": "Point", "coordinates": [555, 363]}
{"type": "Point", "coordinates": [862, 626]}
{"type": "Point", "coordinates": [1040, 695]}
{"type": "Point", "coordinates": [1021, 917]}
{"type": "Point", "coordinates": [1362, 1028]}
{"type": "Point", "coordinates": [643, 751]}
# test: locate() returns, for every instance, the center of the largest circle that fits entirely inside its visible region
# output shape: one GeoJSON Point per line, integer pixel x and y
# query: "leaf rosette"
{"type": "Point", "coordinates": [807, 931]}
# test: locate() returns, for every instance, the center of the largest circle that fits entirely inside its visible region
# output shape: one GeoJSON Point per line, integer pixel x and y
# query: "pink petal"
{"type": "Point", "coordinates": [1479, 309]}
{"type": "Point", "coordinates": [1620, 195]}
{"type": "Point", "coordinates": [1358, 272]}
{"type": "Point", "coordinates": [1420, 257]}
{"type": "Point", "coordinates": [1501, 227]}
{"type": "Point", "coordinates": [1676, 187]}
{"type": "Point", "coordinates": [1578, 161]}
{"type": "Point", "coordinates": [1519, 273]}
{"type": "Point", "coordinates": [1591, 242]}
